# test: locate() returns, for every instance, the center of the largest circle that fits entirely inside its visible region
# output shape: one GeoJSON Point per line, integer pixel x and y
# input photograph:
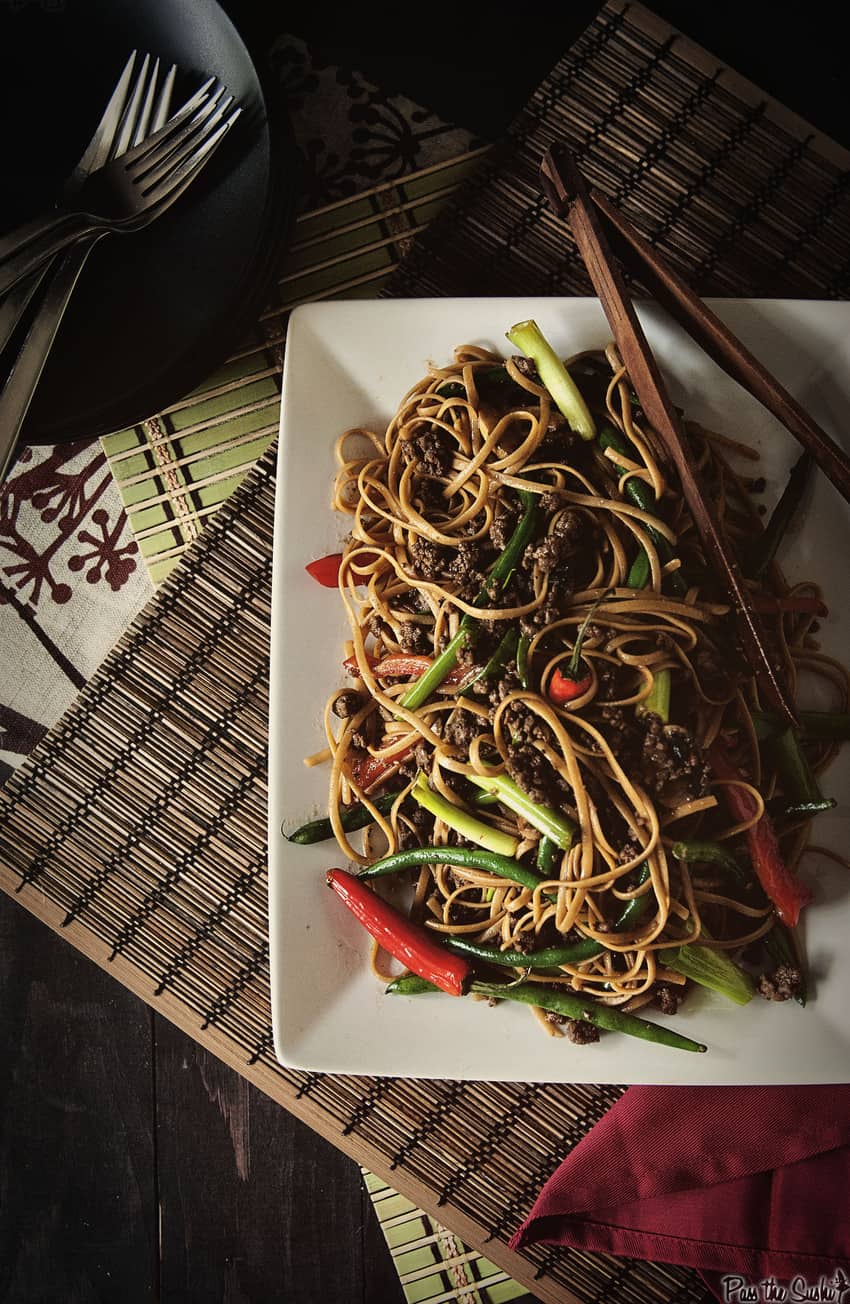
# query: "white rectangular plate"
{"type": "Point", "coordinates": [349, 363]}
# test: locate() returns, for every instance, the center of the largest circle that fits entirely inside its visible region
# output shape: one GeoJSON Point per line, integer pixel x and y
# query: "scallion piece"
{"type": "Point", "coordinates": [527, 336]}
{"type": "Point", "coordinates": [710, 968]}
{"type": "Point", "coordinates": [551, 823]}
{"type": "Point", "coordinates": [483, 835]}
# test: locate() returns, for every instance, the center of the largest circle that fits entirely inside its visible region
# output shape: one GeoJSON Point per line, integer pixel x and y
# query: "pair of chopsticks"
{"type": "Point", "coordinates": [606, 240]}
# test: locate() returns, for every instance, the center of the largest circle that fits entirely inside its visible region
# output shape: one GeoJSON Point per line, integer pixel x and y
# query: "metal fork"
{"type": "Point", "coordinates": [117, 112]}
{"type": "Point", "coordinates": [129, 117]}
{"type": "Point", "coordinates": [130, 192]}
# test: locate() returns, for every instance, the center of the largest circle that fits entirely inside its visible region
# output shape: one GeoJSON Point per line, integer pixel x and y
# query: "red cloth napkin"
{"type": "Point", "coordinates": [751, 1182]}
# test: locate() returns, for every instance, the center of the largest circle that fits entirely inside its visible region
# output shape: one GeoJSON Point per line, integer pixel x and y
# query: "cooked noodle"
{"type": "Point", "coordinates": [432, 502]}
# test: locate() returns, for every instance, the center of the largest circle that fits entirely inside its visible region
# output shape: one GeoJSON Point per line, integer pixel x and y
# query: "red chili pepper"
{"type": "Point", "coordinates": [567, 686]}
{"type": "Point", "coordinates": [326, 569]}
{"type": "Point", "coordinates": [563, 688]}
{"type": "Point", "coordinates": [403, 663]}
{"type": "Point", "coordinates": [786, 892]}
{"type": "Point", "coordinates": [795, 603]}
{"type": "Point", "coordinates": [409, 942]}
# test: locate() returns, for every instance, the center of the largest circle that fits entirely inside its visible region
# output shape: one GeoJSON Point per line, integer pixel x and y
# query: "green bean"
{"type": "Point", "coordinates": [570, 1004]}
{"type": "Point", "coordinates": [487, 862]}
{"type": "Point", "coordinates": [711, 853]}
{"type": "Point", "coordinates": [545, 860]}
{"type": "Point", "coordinates": [553, 956]}
{"type": "Point", "coordinates": [410, 984]}
{"type": "Point", "coordinates": [641, 495]}
{"type": "Point", "coordinates": [356, 816]}
{"type": "Point", "coordinates": [499, 576]}
{"type": "Point", "coordinates": [575, 1006]}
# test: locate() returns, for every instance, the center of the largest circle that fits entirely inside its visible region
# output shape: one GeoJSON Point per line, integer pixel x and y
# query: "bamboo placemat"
{"type": "Point", "coordinates": [138, 826]}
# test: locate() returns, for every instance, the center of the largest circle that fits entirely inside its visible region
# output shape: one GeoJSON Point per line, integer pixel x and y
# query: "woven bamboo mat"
{"type": "Point", "coordinates": [137, 829]}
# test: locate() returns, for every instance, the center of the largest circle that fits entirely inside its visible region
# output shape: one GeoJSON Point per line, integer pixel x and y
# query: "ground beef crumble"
{"type": "Point", "coordinates": [432, 451]}
{"type": "Point", "coordinates": [784, 983]}
{"type": "Point", "coordinates": [582, 1033]}
{"type": "Point", "coordinates": [347, 703]}
{"type": "Point", "coordinates": [668, 998]}
{"type": "Point", "coordinates": [659, 756]}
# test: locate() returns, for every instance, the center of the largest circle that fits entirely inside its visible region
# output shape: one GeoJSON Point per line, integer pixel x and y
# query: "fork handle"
{"type": "Point", "coordinates": [25, 374]}
{"type": "Point", "coordinates": [46, 237]}
{"type": "Point", "coordinates": [16, 241]}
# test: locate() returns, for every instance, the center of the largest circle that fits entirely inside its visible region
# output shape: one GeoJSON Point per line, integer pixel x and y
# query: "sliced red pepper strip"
{"type": "Point", "coordinates": [326, 569]}
{"type": "Point", "coordinates": [407, 941]}
{"type": "Point", "coordinates": [787, 893]}
{"type": "Point", "coordinates": [563, 688]}
{"type": "Point", "coordinates": [401, 664]}
{"type": "Point", "coordinates": [366, 769]}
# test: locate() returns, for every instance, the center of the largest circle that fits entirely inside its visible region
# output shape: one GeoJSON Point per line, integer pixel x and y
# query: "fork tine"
{"type": "Point", "coordinates": [174, 127]}
{"type": "Point", "coordinates": [170, 187]}
{"type": "Point", "coordinates": [162, 108]}
{"type": "Point", "coordinates": [124, 134]}
{"type": "Point", "coordinates": [161, 162]}
{"type": "Point", "coordinates": [97, 150]}
{"type": "Point", "coordinates": [140, 128]}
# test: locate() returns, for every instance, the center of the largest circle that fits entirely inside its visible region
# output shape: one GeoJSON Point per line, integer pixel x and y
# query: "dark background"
{"type": "Point", "coordinates": [476, 65]}
{"type": "Point", "coordinates": [133, 1166]}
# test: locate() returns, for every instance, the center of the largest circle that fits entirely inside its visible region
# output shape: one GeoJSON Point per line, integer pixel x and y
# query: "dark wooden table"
{"type": "Point", "coordinates": [133, 1166]}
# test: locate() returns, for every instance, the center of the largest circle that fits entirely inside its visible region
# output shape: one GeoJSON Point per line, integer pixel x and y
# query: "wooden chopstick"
{"type": "Point", "coordinates": [569, 196]}
{"type": "Point", "coordinates": [668, 288]}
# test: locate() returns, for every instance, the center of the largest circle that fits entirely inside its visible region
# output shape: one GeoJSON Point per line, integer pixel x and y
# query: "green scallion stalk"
{"type": "Point", "coordinates": [833, 726]}
{"type": "Point", "coordinates": [710, 968]}
{"type": "Point", "coordinates": [777, 943]}
{"type": "Point", "coordinates": [483, 835]}
{"type": "Point", "coordinates": [528, 337]}
{"type": "Point", "coordinates": [658, 700]}
{"type": "Point", "coordinates": [799, 783]}
{"type": "Point", "coordinates": [551, 823]}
